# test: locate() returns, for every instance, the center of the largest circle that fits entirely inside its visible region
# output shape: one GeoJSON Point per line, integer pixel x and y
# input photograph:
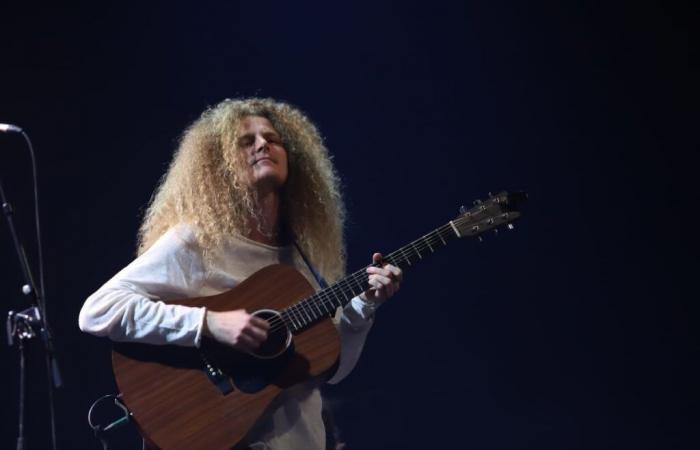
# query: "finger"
{"type": "Point", "coordinates": [376, 289]}
{"type": "Point", "coordinates": [246, 343]}
{"type": "Point", "coordinates": [258, 334]}
{"type": "Point", "coordinates": [375, 294]}
{"type": "Point", "coordinates": [382, 286]}
{"type": "Point", "coordinates": [389, 271]}
{"type": "Point", "coordinates": [382, 279]}
{"type": "Point", "coordinates": [259, 323]}
{"type": "Point", "coordinates": [389, 290]}
{"type": "Point", "coordinates": [391, 287]}
{"type": "Point", "coordinates": [377, 258]}
{"type": "Point", "coordinates": [374, 284]}
{"type": "Point", "coordinates": [379, 271]}
{"type": "Point", "coordinates": [395, 271]}
{"type": "Point", "coordinates": [392, 272]}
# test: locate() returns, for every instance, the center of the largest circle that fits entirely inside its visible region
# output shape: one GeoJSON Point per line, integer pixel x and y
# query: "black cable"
{"type": "Point", "coordinates": [99, 430]}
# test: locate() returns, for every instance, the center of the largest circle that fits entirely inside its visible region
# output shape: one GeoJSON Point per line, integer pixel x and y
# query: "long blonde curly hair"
{"type": "Point", "coordinates": [207, 185]}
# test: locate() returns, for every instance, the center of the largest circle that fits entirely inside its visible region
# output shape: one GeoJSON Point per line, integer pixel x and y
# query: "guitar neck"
{"type": "Point", "coordinates": [323, 304]}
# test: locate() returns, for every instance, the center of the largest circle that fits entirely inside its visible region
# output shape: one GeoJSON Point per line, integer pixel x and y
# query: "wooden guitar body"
{"type": "Point", "coordinates": [209, 398]}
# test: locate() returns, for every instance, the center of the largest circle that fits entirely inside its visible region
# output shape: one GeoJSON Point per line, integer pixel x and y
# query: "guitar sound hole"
{"type": "Point", "coordinates": [278, 337]}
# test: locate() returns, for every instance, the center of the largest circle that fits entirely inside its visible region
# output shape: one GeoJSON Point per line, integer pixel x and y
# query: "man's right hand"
{"type": "Point", "coordinates": [237, 328]}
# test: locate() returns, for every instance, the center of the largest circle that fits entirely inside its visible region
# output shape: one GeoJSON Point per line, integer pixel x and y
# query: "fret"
{"type": "Point", "coordinates": [338, 289]}
{"type": "Point", "coordinates": [362, 288]}
{"type": "Point", "coordinates": [402, 253]}
{"type": "Point", "coordinates": [293, 326]}
{"type": "Point", "coordinates": [454, 228]}
{"type": "Point", "coordinates": [295, 318]}
{"type": "Point", "coordinates": [427, 242]}
{"type": "Point", "coordinates": [345, 287]}
{"type": "Point", "coordinates": [416, 250]}
{"type": "Point", "coordinates": [342, 292]}
{"type": "Point", "coordinates": [328, 300]}
{"type": "Point", "coordinates": [335, 301]}
{"type": "Point", "coordinates": [329, 307]}
{"type": "Point", "coordinates": [315, 303]}
{"type": "Point", "coordinates": [325, 302]}
{"type": "Point", "coordinates": [305, 311]}
{"type": "Point", "coordinates": [441, 238]}
{"type": "Point", "coordinates": [340, 301]}
{"type": "Point", "coordinates": [299, 312]}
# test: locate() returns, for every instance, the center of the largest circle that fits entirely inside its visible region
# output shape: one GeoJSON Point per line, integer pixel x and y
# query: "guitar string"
{"type": "Point", "coordinates": [328, 300]}
{"type": "Point", "coordinates": [297, 311]}
{"type": "Point", "coordinates": [324, 298]}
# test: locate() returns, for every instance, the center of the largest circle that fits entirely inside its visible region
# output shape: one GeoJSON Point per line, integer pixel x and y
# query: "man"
{"type": "Point", "coordinates": [250, 185]}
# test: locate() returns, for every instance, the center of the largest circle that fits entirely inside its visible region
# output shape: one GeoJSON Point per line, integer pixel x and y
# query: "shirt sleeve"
{"type": "Point", "coordinates": [130, 306]}
{"type": "Point", "coordinates": [353, 323]}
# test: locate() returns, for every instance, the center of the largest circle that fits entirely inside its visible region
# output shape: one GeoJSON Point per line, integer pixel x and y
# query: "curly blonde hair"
{"type": "Point", "coordinates": [207, 185]}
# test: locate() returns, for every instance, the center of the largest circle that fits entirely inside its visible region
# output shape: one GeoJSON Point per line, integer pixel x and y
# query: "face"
{"type": "Point", "coordinates": [264, 153]}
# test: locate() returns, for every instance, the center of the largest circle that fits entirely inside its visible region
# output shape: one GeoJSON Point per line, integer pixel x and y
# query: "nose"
{"type": "Point", "coordinates": [260, 144]}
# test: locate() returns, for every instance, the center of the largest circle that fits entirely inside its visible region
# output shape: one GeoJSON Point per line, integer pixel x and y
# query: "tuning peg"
{"type": "Point", "coordinates": [490, 194]}
{"type": "Point", "coordinates": [495, 231]}
{"type": "Point", "coordinates": [511, 226]}
{"type": "Point", "coordinates": [477, 202]}
{"type": "Point", "coordinates": [462, 209]}
{"type": "Point", "coordinates": [481, 239]}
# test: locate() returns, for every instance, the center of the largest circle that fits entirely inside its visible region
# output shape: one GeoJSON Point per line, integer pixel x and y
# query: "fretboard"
{"type": "Point", "coordinates": [324, 303]}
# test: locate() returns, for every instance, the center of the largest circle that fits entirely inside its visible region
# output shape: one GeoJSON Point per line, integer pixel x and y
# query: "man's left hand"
{"type": "Point", "coordinates": [384, 281]}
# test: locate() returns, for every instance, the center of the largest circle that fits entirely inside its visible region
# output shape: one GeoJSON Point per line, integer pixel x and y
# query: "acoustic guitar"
{"type": "Point", "coordinates": [208, 398]}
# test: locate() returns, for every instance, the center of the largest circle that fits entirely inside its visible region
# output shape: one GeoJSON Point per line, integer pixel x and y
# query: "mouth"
{"type": "Point", "coordinates": [262, 159]}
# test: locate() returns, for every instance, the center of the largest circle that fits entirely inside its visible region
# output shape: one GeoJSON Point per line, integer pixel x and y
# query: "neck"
{"type": "Point", "coordinates": [265, 228]}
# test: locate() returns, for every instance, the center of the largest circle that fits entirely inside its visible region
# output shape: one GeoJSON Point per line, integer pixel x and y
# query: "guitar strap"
{"type": "Point", "coordinates": [326, 412]}
{"type": "Point", "coordinates": [319, 278]}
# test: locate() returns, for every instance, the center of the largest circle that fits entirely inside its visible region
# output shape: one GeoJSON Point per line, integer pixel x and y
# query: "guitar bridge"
{"type": "Point", "coordinates": [217, 376]}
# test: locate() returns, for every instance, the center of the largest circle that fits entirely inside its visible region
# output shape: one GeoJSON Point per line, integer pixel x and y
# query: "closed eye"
{"type": "Point", "coordinates": [273, 138]}
{"type": "Point", "coordinates": [246, 141]}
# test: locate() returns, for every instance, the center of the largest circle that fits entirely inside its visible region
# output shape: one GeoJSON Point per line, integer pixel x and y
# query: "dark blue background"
{"type": "Point", "coordinates": [575, 331]}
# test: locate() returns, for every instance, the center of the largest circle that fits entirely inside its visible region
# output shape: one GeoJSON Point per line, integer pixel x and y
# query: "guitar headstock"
{"type": "Point", "coordinates": [500, 209]}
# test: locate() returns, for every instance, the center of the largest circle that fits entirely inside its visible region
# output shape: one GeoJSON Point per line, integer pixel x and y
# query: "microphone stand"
{"type": "Point", "coordinates": [27, 324]}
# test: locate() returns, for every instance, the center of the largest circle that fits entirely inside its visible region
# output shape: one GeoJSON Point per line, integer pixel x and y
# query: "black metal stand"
{"type": "Point", "coordinates": [29, 323]}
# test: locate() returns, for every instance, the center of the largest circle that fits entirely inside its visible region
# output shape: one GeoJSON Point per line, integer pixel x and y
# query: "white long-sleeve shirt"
{"type": "Point", "coordinates": [129, 308]}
